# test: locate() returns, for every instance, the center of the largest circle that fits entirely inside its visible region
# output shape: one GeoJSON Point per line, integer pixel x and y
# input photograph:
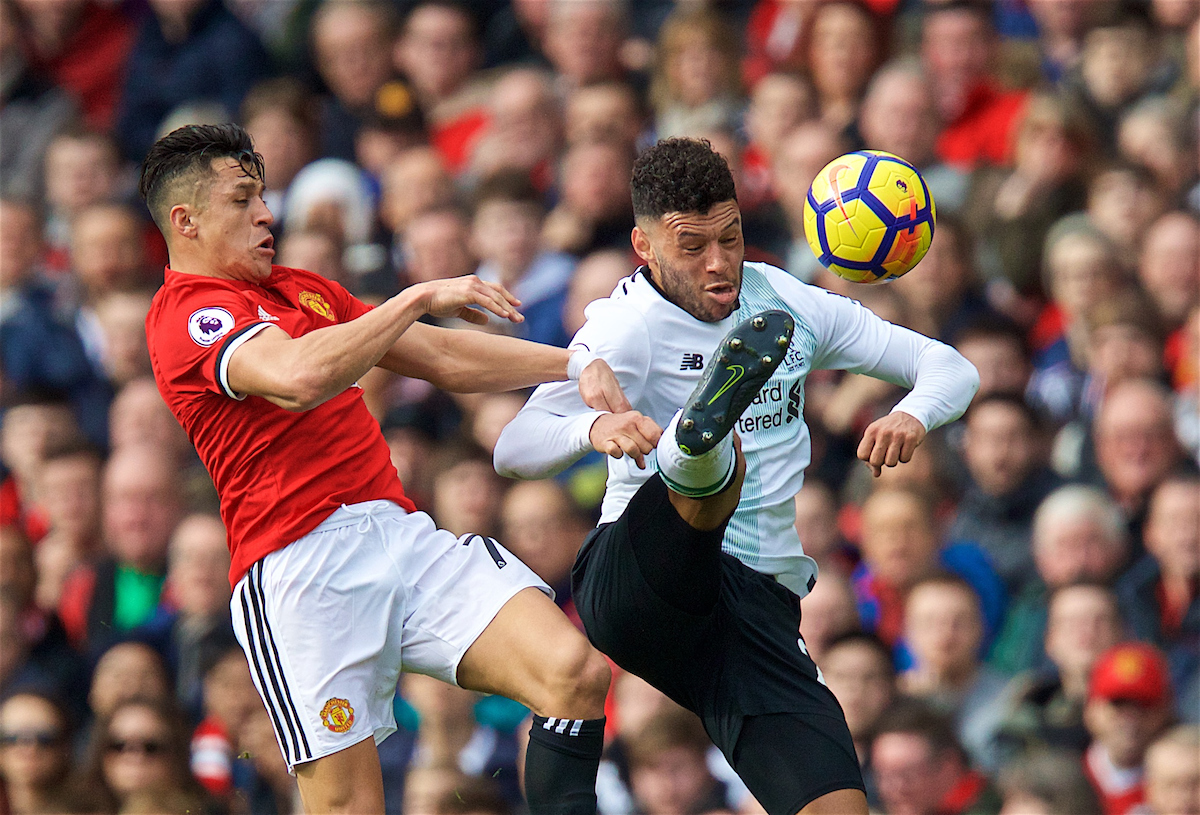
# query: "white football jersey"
{"type": "Point", "coordinates": [659, 351]}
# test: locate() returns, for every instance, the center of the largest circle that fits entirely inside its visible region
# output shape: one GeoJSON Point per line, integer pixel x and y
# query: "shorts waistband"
{"type": "Point", "coordinates": [350, 514]}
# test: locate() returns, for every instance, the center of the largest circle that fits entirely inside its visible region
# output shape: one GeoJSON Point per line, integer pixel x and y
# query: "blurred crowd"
{"type": "Point", "coordinates": [1011, 621]}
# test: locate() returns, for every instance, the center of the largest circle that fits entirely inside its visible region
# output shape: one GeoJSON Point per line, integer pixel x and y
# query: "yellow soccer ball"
{"type": "Point", "coordinates": [869, 216]}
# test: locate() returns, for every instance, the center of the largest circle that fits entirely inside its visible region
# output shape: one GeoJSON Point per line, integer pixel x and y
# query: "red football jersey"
{"type": "Point", "coordinates": [278, 473]}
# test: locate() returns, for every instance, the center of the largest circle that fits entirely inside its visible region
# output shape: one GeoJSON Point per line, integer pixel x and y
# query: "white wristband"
{"type": "Point", "coordinates": [579, 360]}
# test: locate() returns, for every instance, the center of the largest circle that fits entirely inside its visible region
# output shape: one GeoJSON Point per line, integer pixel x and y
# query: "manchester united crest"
{"type": "Point", "coordinates": [315, 302]}
{"type": "Point", "coordinates": [337, 715]}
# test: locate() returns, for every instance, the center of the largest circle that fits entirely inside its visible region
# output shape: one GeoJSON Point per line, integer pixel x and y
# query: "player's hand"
{"type": "Point", "coordinates": [890, 441]}
{"type": "Point", "coordinates": [456, 297]}
{"type": "Point", "coordinates": [625, 434]}
{"type": "Point", "coordinates": [600, 389]}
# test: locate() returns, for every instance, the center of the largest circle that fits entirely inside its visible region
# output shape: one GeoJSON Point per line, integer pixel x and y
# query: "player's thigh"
{"type": "Point", "coordinates": [530, 652]}
{"type": "Point", "coordinates": [349, 781]}
{"type": "Point", "coordinates": [839, 802]}
{"type": "Point", "coordinates": [793, 761]}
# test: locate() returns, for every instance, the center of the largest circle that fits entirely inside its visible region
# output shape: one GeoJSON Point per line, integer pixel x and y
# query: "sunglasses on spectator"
{"type": "Point", "coordinates": [31, 738]}
{"type": "Point", "coordinates": [146, 746]}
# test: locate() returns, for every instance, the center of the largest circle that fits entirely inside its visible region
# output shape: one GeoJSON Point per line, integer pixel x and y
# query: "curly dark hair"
{"type": "Point", "coordinates": [680, 175]}
{"type": "Point", "coordinates": [188, 152]}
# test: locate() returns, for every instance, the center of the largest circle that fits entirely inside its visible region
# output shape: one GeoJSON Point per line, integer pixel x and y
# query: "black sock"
{"type": "Point", "coordinates": [561, 764]}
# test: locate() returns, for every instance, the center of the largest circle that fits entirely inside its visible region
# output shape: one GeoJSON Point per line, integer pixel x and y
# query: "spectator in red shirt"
{"type": "Point", "coordinates": [1047, 781]}
{"type": "Point", "coordinates": [958, 46]}
{"type": "Point", "coordinates": [844, 49]}
{"type": "Point", "coordinates": [921, 769]}
{"type": "Point", "coordinates": [779, 103]}
{"type": "Point", "coordinates": [1129, 705]}
{"type": "Point", "coordinates": [438, 50]}
{"type": "Point", "coordinates": [524, 130]}
{"type": "Point", "coordinates": [83, 46]}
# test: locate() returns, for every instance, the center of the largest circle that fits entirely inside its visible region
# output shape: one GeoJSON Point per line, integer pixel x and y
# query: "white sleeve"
{"type": "Point", "coordinates": [851, 337]}
{"type": "Point", "coordinates": [538, 443]}
{"type": "Point", "coordinates": [552, 430]}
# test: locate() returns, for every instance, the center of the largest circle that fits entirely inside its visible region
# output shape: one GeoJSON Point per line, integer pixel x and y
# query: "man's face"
{"type": "Point", "coordinates": [899, 117]}
{"type": "Point", "coordinates": [1125, 728]}
{"type": "Point", "coordinates": [234, 226]}
{"type": "Point", "coordinates": [1173, 779]}
{"type": "Point", "coordinates": [1001, 365]}
{"type": "Point", "coordinates": [199, 564]}
{"type": "Point", "coordinates": [1135, 442]}
{"type": "Point", "coordinates": [1000, 448]}
{"type": "Point", "coordinates": [862, 682]}
{"type": "Point", "coordinates": [1172, 531]}
{"type": "Point", "coordinates": [436, 52]}
{"type": "Point", "coordinates": [899, 541]}
{"type": "Point", "coordinates": [944, 628]}
{"type": "Point", "coordinates": [1083, 623]}
{"type": "Point", "coordinates": [696, 259]}
{"type": "Point", "coordinates": [353, 53]}
{"type": "Point", "coordinates": [674, 783]}
{"type": "Point", "coordinates": [141, 507]}
{"type": "Point", "coordinates": [908, 774]}
{"type": "Point", "coordinates": [508, 234]}
{"type": "Point", "coordinates": [20, 243]}
{"type": "Point", "coordinates": [1076, 548]}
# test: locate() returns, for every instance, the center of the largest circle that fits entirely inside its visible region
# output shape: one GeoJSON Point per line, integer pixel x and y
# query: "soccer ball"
{"type": "Point", "coordinates": [869, 216]}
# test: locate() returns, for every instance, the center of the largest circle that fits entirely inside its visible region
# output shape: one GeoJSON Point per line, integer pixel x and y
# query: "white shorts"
{"type": "Point", "coordinates": [329, 621]}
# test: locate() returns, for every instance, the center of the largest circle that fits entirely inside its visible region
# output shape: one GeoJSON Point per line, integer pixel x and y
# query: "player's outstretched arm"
{"type": "Point", "coordinates": [301, 373]}
{"type": "Point", "coordinates": [478, 362]}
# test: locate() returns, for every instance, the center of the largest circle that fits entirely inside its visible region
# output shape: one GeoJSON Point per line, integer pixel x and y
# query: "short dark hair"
{"type": "Point", "coordinates": [868, 640]}
{"type": "Point", "coordinates": [980, 8]}
{"type": "Point", "coordinates": [667, 729]}
{"type": "Point", "coordinates": [72, 448]}
{"type": "Point", "coordinates": [918, 718]}
{"type": "Point", "coordinates": [459, 7]}
{"type": "Point", "coordinates": [1032, 416]}
{"type": "Point", "coordinates": [191, 150]}
{"type": "Point", "coordinates": [680, 175]}
{"type": "Point", "coordinates": [509, 186]}
{"type": "Point", "coordinates": [991, 326]}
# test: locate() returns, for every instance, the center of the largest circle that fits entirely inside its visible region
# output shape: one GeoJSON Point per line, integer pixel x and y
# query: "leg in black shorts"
{"type": "Point", "coordinates": [662, 600]}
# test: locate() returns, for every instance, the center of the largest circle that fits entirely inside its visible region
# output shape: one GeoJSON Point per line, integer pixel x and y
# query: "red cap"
{"type": "Point", "coordinates": [1131, 672]}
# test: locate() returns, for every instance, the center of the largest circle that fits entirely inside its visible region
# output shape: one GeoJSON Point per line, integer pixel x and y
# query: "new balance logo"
{"type": "Point", "coordinates": [262, 315]}
{"type": "Point", "coordinates": [793, 408]}
{"type": "Point", "coordinates": [692, 362]}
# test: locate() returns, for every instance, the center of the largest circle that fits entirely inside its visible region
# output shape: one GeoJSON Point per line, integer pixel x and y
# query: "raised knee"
{"type": "Point", "coordinates": [577, 681]}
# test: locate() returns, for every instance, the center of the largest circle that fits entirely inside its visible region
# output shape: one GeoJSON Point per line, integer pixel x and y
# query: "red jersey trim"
{"type": "Point", "coordinates": [235, 341]}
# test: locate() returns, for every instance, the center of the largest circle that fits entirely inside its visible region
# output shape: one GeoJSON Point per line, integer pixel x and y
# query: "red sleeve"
{"type": "Point", "coordinates": [192, 333]}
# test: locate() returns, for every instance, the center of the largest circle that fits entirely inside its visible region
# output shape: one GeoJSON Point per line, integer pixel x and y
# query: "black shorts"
{"type": "Point", "coordinates": [736, 666]}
